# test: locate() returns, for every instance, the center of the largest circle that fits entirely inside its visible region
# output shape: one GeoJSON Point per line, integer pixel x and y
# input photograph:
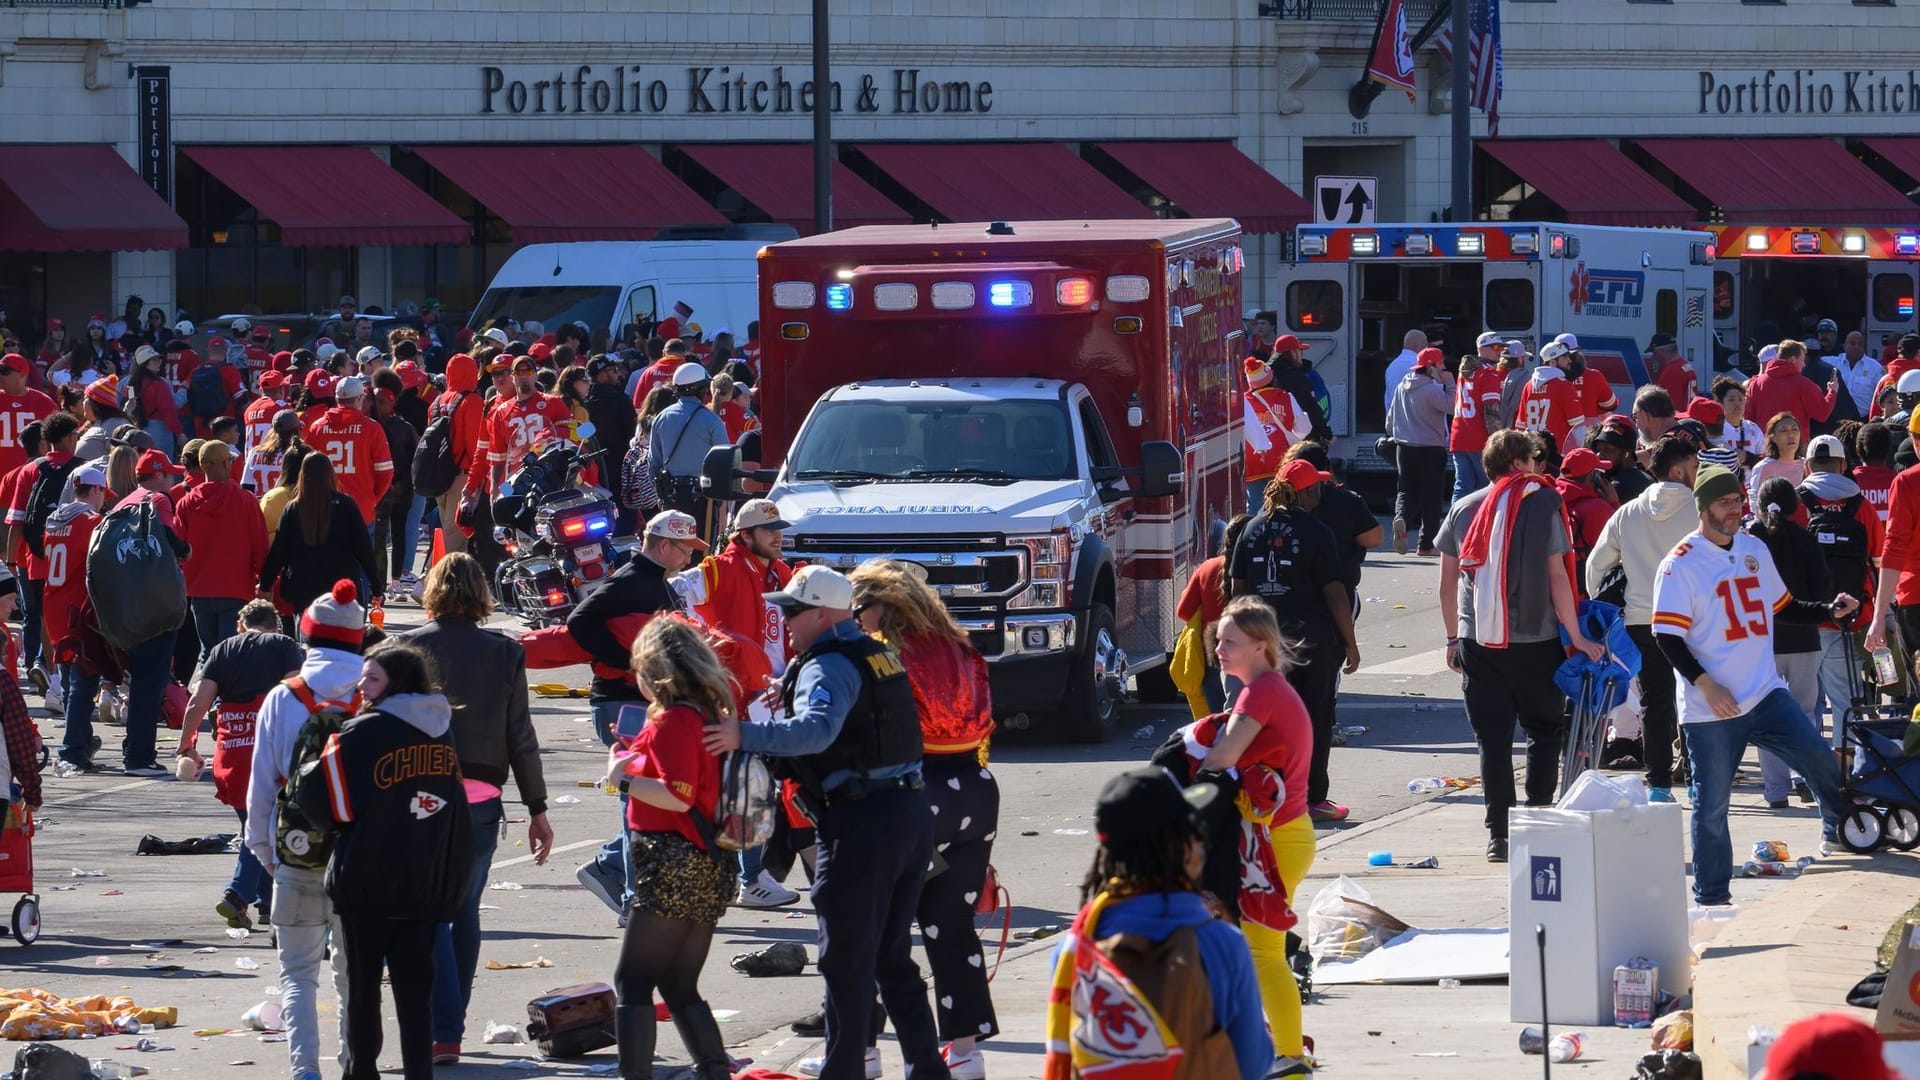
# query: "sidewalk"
{"type": "Point", "coordinates": [1463, 1033]}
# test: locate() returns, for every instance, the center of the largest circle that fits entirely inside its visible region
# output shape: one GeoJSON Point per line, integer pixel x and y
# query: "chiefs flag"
{"type": "Point", "coordinates": [1392, 59]}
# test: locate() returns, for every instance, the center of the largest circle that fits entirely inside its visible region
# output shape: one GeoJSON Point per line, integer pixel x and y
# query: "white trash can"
{"type": "Point", "coordinates": [1608, 885]}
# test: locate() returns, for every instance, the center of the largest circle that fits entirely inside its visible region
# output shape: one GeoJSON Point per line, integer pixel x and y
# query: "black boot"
{"type": "Point", "coordinates": [634, 1026]}
{"type": "Point", "coordinates": [704, 1042]}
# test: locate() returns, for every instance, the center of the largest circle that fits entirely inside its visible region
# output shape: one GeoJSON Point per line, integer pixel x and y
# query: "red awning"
{"type": "Point", "coordinates": [80, 197]}
{"type": "Point", "coordinates": [1214, 179]}
{"type": "Point", "coordinates": [1903, 153]}
{"type": "Point", "coordinates": [560, 194]}
{"type": "Point", "coordinates": [1592, 181]}
{"type": "Point", "coordinates": [1036, 181]}
{"type": "Point", "coordinates": [1782, 181]}
{"type": "Point", "coordinates": [778, 178]}
{"type": "Point", "coordinates": [331, 196]}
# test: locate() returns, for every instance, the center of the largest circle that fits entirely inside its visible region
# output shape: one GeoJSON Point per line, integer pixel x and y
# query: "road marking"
{"type": "Point", "coordinates": [103, 791]}
{"type": "Point", "coordinates": [563, 847]}
{"type": "Point", "coordinates": [1426, 663]}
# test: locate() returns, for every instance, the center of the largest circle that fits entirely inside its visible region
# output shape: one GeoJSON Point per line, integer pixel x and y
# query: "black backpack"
{"type": "Point", "coordinates": [1843, 540]}
{"type": "Point", "coordinates": [298, 840]}
{"type": "Point", "coordinates": [435, 468]}
{"type": "Point", "coordinates": [207, 391]}
{"type": "Point", "coordinates": [50, 481]}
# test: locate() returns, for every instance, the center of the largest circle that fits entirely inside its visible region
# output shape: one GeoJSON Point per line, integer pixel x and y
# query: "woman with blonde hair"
{"type": "Point", "coordinates": [892, 599]}
{"type": "Point", "coordinates": [681, 885]}
{"type": "Point", "coordinates": [122, 469]}
{"type": "Point", "coordinates": [1269, 726]}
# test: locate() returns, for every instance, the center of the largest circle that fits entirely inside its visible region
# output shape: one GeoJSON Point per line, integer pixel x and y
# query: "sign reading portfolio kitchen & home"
{"type": "Point", "coordinates": [1809, 92]}
{"type": "Point", "coordinates": [722, 89]}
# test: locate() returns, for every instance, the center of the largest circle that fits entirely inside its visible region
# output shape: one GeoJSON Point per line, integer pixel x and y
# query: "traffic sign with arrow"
{"type": "Point", "coordinates": [1344, 200]}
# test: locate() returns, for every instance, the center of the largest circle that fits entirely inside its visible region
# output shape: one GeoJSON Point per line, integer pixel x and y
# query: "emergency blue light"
{"type": "Point", "coordinates": [839, 297]}
{"type": "Point", "coordinates": [1904, 307]}
{"type": "Point", "coordinates": [1906, 243]}
{"type": "Point", "coordinates": [1007, 294]}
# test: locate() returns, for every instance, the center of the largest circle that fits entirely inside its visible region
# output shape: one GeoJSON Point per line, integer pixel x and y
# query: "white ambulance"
{"type": "Point", "coordinates": [1774, 282]}
{"type": "Point", "coordinates": [1352, 293]}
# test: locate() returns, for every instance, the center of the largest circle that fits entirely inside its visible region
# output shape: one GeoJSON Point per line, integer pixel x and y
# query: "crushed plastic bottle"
{"type": "Point", "coordinates": [1351, 730]}
{"type": "Point", "coordinates": [566, 800]}
{"type": "Point", "coordinates": [109, 1069]}
{"type": "Point", "coordinates": [1426, 784]}
{"type": "Point", "coordinates": [1145, 732]}
{"type": "Point", "coordinates": [239, 933]}
{"type": "Point", "coordinates": [1566, 1047]}
{"type": "Point", "coordinates": [247, 963]}
{"type": "Point", "coordinates": [1533, 1041]}
{"type": "Point", "coordinates": [1449, 984]}
{"type": "Point", "coordinates": [82, 872]}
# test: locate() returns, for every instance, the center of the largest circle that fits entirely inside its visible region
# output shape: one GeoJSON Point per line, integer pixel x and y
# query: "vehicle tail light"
{"type": "Point", "coordinates": [556, 597]}
{"type": "Point", "coordinates": [1128, 324]}
{"type": "Point", "coordinates": [793, 331]}
{"type": "Point", "coordinates": [1073, 292]}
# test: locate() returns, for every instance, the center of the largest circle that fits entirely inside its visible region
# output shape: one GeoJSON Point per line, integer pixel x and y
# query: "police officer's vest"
{"type": "Point", "coordinates": [883, 725]}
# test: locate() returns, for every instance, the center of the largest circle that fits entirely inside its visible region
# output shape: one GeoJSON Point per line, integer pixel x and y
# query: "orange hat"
{"type": "Point", "coordinates": [105, 391]}
{"type": "Point", "coordinates": [1579, 462]}
{"type": "Point", "coordinates": [1302, 474]}
{"type": "Point", "coordinates": [1258, 373]}
{"type": "Point", "coordinates": [501, 364]}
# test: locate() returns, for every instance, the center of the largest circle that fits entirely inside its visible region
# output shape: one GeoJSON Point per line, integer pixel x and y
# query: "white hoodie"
{"type": "Point", "coordinates": [331, 674]}
{"type": "Point", "coordinates": [1638, 536]}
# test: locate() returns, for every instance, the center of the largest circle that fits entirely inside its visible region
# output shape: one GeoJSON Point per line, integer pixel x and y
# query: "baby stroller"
{"type": "Point", "coordinates": [1877, 775]}
{"type": "Point", "coordinates": [1594, 688]}
{"type": "Point", "coordinates": [16, 872]}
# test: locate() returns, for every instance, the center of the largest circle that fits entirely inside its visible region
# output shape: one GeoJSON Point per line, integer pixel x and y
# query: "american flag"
{"type": "Point", "coordinates": [1483, 55]}
{"type": "Point", "coordinates": [1696, 310]}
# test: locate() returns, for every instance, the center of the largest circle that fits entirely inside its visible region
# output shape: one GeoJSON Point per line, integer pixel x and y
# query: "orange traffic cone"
{"type": "Point", "coordinates": [439, 548]}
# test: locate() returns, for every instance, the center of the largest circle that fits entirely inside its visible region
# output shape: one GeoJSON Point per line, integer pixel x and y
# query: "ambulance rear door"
{"type": "Point", "coordinates": [1317, 306]}
{"type": "Point", "coordinates": [1515, 297]}
{"type": "Point", "coordinates": [1891, 288]}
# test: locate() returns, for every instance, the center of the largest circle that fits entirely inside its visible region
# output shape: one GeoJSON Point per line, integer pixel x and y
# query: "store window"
{"type": "Point", "coordinates": [1892, 298]}
{"type": "Point", "coordinates": [1666, 312]}
{"type": "Point", "coordinates": [1510, 304]}
{"type": "Point", "coordinates": [234, 262]}
{"type": "Point", "coordinates": [1315, 305]}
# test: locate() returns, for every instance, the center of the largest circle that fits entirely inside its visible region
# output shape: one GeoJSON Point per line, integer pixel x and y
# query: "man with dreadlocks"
{"type": "Point", "coordinates": [1125, 971]}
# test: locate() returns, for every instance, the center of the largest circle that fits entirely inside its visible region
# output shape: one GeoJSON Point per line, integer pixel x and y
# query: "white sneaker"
{"type": "Point", "coordinates": [818, 1065]}
{"type": "Point", "coordinates": [765, 892]}
{"type": "Point", "coordinates": [971, 1067]}
{"type": "Point", "coordinates": [56, 692]}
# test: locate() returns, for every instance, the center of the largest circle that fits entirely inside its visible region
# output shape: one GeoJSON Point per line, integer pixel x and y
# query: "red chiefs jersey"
{"type": "Point", "coordinates": [1597, 397]}
{"type": "Point", "coordinates": [178, 366]}
{"type": "Point", "coordinates": [513, 427]}
{"type": "Point", "coordinates": [1272, 409]}
{"type": "Point", "coordinates": [733, 584]}
{"type": "Point", "coordinates": [16, 412]}
{"type": "Point", "coordinates": [66, 589]}
{"type": "Point", "coordinates": [1471, 395]}
{"type": "Point", "coordinates": [258, 420]}
{"type": "Point", "coordinates": [28, 478]}
{"type": "Point", "coordinates": [1552, 406]}
{"type": "Point", "coordinates": [362, 462]}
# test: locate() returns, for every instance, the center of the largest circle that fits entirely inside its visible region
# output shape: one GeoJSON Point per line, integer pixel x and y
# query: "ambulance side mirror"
{"type": "Point", "coordinates": [719, 473]}
{"type": "Point", "coordinates": [1162, 470]}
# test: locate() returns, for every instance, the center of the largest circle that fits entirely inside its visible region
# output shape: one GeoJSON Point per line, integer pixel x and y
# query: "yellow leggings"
{"type": "Point", "coordinates": [1279, 992]}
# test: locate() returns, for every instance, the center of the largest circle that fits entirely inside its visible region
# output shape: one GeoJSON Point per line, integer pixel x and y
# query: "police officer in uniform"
{"type": "Point", "coordinates": [851, 738]}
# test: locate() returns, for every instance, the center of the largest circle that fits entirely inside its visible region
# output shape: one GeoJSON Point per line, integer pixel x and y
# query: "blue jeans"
{"type": "Point", "coordinates": [1469, 473]}
{"type": "Point", "coordinates": [612, 857]}
{"type": "Point", "coordinates": [1837, 684]}
{"type": "Point", "coordinates": [163, 437]}
{"type": "Point", "coordinates": [215, 619]}
{"type": "Point", "coordinates": [1801, 670]}
{"type": "Point", "coordinates": [150, 667]}
{"type": "Point", "coordinates": [77, 746]}
{"type": "Point", "coordinates": [404, 551]}
{"type": "Point", "coordinates": [32, 600]}
{"type": "Point", "coordinates": [456, 945]}
{"type": "Point", "coordinates": [250, 883]}
{"type": "Point", "coordinates": [1714, 749]}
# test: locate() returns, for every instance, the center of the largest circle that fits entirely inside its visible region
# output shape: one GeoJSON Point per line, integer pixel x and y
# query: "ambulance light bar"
{"type": "Point", "coordinates": [1524, 243]}
{"type": "Point", "coordinates": [896, 296]}
{"type": "Point", "coordinates": [1906, 243]}
{"type": "Point", "coordinates": [1313, 245]}
{"type": "Point", "coordinates": [1904, 307]}
{"type": "Point", "coordinates": [1073, 292]}
{"type": "Point", "coordinates": [839, 296]}
{"type": "Point", "coordinates": [1757, 240]}
{"type": "Point", "coordinates": [793, 295]}
{"type": "Point", "coordinates": [1854, 243]}
{"type": "Point", "coordinates": [1804, 243]}
{"type": "Point", "coordinates": [1366, 243]}
{"type": "Point", "coordinates": [1471, 243]}
{"type": "Point", "coordinates": [952, 295]}
{"type": "Point", "coordinates": [1419, 244]}
{"type": "Point", "coordinates": [1008, 294]}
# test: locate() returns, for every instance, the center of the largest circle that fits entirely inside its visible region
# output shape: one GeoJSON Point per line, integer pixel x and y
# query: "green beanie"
{"type": "Point", "coordinates": [1712, 483]}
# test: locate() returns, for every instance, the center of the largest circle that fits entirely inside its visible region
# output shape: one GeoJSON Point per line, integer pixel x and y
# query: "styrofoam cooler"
{"type": "Point", "coordinates": [1608, 885]}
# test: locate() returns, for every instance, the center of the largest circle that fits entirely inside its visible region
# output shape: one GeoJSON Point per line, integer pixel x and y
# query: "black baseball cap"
{"type": "Point", "coordinates": [1693, 431]}
{"type": "Point", "coordinates": [1139, 803]}
{"type": "Point", "coordinates": [1660, 341]}
{"type": "Point", "coordinates": [599, 364]}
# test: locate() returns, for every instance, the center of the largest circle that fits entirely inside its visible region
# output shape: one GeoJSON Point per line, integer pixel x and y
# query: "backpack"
{"type": "Point", "coordinates": [297, 840]}
{"type": "Point", "coordinates": [435, 467]}
{"type": "Point", "coordinates": [134, 580]}
{"type": "Point", "coordinates": [1843, 540]}
{"type": "Point", "coordinates": [207, 390]}
{"type": "Point", "coordinates": [50, 482]}
{"type": "Point", "coordinates": [748, 800]}
{"type": "Point", "coordinates": [637, 491]}
{"type": "Point", "coordinates": [1143, 1004]}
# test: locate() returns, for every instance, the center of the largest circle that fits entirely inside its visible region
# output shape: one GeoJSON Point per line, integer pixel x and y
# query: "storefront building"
{"type": "Point", "coordinates": [274, 156]}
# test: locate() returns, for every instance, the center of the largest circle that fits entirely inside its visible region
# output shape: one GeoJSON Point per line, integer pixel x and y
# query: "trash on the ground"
{"type": "Point", "coordinates": [1705, 923]}
{"type": "Point", "coordinates": [56, 1063]}
{"type": "Point", "coordinates": [109, 1069]}
{"type": "Point", "coordinates": [275, 1037]}
{"type": "Point", "coordinates": [64, 888]}
{"type": "Point", "coordinates": [1343, 924]}
{"type": "Point", "coordinates": [1029, 832]}
{"type": "Point", "coordinates": [213, 844]}
{"type": "Point", "coordinates": [572, 1021]}
{"type": "Point", "coordinates": [724, 1015]}
{"type": "Point", "coordinates": [506, 886]}
{"type": "Point", "coordinates": [241, 1062]}
{"type": "Point", "coordinates": [586, 783]}
{"type": "Point", "coordinates": [208, 951]}
{"type": "Point", "coordinates": [1145, 732]}
{"type": "Point", "coordinates": [1674, 1031]}
{"type": "Point", "coordinates": [1668, 1065]}
{"type": "Point", "coordinates": [1448, 984]}
{"type": "Point", "coordinates": [1533, 1041]}
{"type": "Point", "coordinates": [262, 1017]}
{"type": "Point", "coordinates": [1376, 599]}
{"type": "Point", "coordinates": [1566, 1047]}
{"type": "Point", "coordinates": [1351, 730]}
{"type": "Point", "coordinates": [1427, 706]}
{"type": "Point", "coordinates": [1431, 862]}
{"type": "Point", "coordinates": [1771, 851]}
{"type": "Point", "coordinates": [489, 907]}
{"type": "Point", "coordinates": [35, 1015]}
{"type": "Point", "coordinates": [501, 1035]}
{"type": "Point", "coordinates": [1069, 832]}
{"type": "Point", "coordinates": [1793, 869]}
{"type": "Point", "coordinates": [518, 965]}
{"type": "Point", "coordinates": [1380, 858]}
{"type": "Point", "coordinates": [566, 800]}
{"type": "Point", "coordinates": [1594, 791]}
{"type": "Point", "coordinates": [113, 892]}
{"type": "Point", "coordinates": [1039, 933]}
{"type": "Point", "coordinates": [1424, 956]}
{"type": "Point", "coordinates": [247, 963]}
{"type": "Point", "coordinates": [1422, 785]}
{"type": "Point", "coordinates": [780, 958]}
{"type": "Point", "coordinates": [1636, 992]}
{"type": "Point", "coordinates": [208, 1033]}
{"type": "Point", "coordinates": [82, 872]}
{"type": "Point", "coordinates": [239, 933]}
{"type": "Point", "coordinates": [796, 914]}
{"type": "Point", "coordinates": [103, 961]}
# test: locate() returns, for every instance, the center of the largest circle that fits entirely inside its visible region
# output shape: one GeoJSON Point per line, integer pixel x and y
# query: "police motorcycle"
{"type": "Point", "coordinates": [557, 533]}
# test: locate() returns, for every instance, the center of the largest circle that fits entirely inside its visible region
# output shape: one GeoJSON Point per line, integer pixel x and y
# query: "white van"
{"type": "Point", "coordinates": [609, 284]}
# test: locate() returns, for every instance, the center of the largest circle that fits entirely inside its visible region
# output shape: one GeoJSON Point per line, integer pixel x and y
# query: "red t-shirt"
{"type": "Point", "coordinates": [66, 561]}
{"type": "Point", "coordinates": [513, 427]}
{"type": "Point", "coordinates": [1202, 593]}
{"type": "Point", "coordinates": [738, 420]}
{"type": "Point", "coordinates": [258, 420]}
{"type": "Point", "coordinates": [1598, 399]}
{"type": "Point", "coordinates": [17, 555]}
{"type": "Point", "coordinates": [1552, 407]}
{"type": "Point", "coordinates": [16, 412]}
{"type": "Point", "coordinates": [178, 366]}
{"type": "Point", "coordinates": [1680, 383]}
{"type": "Point", "coordinates": [1876, 483]}
{"type": "Point", "coordinates": [1285, 741]}
{"type": "Point", "coordinates": [1468, 434]}
{"type": "Point", "coordinates": [34, 566]}
{"type": "Point", "coordinates": [362, 463]}
{"type": "Point", "coordinates": [669, 749]}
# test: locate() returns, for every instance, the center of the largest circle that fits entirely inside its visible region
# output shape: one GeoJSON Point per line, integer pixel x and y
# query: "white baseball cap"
{"type": "Point", "coordinates": [1487, 339]}
{"type": "Point", "coordinates": [89, 475]}
{"type": "Point", "coordinates": [757, 514]}
{"type": "Point", "coordinates": [675, 525]}
{"type": "Point", "coordinates": [813, 587]}
{"type": "Point", "coordinates": [689, 373]}
{"type": "Point", "coordinates": [1769, 353]}
{"type": "Point", "coordinates": [1826, 448]}
{"type": "Point", "coordinates": [183, 327]}
{"type": "Point", "coordinates": [241, 325]}
{"type": "Point", "coordinates": [349, 388]}
{"type": "Point", "coordinates": [1516, 348]}
{"type": "Point", "coordinates": [326, 351]}
{"type": "Point", "coordinates": [1552, 351]}
{"type": "Point", "coordinates": [367, 355]}
{"type": "Point", "coordinates": [1572, 343]}
{"type": "Point", "coordinates": [496, 334]}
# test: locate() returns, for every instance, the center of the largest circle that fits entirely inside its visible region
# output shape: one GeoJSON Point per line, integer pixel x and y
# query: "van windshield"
{"type": "Point", "coordinates": [988, 440]}
{"type": "Point", "coordinates": [549, 305]}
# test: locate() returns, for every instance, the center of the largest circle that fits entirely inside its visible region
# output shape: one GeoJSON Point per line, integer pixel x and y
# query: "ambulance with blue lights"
{"type": "Point", "coordinates": [1350, 294]}
{"type": "Point", "coordinates": [1775, 282]}
{"type": "Point", "coordinates": [1043, 416]}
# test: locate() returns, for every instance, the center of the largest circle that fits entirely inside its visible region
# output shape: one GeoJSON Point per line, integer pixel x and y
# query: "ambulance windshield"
{"type": "Point", "coordinates": [989, 441]}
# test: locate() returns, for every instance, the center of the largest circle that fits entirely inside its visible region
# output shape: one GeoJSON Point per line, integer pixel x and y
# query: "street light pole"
{"type": "Point", "coordinates": [1462, 202]}
{"type": "Point", "coordinates": [822, 123]}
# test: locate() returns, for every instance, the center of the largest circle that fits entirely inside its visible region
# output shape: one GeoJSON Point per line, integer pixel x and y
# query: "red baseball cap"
{"type": "Point", "coordinates": [1302, 474]}
{"type": "Point", "coordinates": [281, 361]}
{"type": "Point", "coordinates": [1286, 343]}
{"type": "Point", "coordinates": [1830, 1044]}
{"type": "Point", "coordinates": [411, 376]}
{"type": "Point", "coordinates": [540, 350]}
{"type": "Point", "coordinates": [216, 344]}
{"type": "Point", "coordinates": [1707, 411]}
{"type": "Point", "coordinates": [319, 383]}
{"type": "Point", "coordinates": [261, 333]}
{"type": "Point", "coordinates": [1429, 357]}
{"type": "Point", "coordinates": [272, 379]}
{"type": "Point", "coordinates": [1579, 462]}
{"type": "Point", "coordinates": [13, 361]}
{"type": "Point", "coordinates": [155, 463]}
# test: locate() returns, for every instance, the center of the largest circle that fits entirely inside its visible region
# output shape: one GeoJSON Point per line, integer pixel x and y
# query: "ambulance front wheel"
{"type": "Point", "coordinates": [1098, 681]}
{"type": "Point", "coordinates": [26, 920]}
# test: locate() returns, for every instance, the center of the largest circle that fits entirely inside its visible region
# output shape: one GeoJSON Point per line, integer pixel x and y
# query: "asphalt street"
{"type": "Point", "coordinates": [147, 928]}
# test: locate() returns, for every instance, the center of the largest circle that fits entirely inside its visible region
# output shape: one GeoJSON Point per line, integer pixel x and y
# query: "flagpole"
{"type": "Point", "coordinates": [1462, 116]}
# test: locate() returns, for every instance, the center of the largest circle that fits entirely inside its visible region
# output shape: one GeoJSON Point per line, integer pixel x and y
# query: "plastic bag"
{"type": "Point", "coordinates": [1595, 791]}
{"type": "Point", "coordinates": [1343, 924]}
{"type": "Point", "coordinates": [1674, 1031]}
{"type": "Point", "coordinates": [133, 578]}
